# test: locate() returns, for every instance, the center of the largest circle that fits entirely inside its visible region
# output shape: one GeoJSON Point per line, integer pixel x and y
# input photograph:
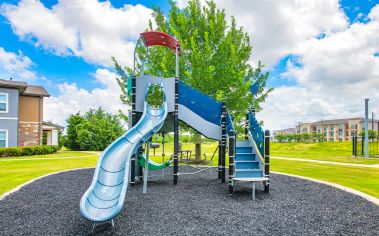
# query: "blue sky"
{"type": "Point", "coordinates": [69, 70]}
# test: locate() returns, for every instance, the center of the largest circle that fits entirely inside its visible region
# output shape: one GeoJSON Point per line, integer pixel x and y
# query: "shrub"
{"type": "Point", "coordinates": [28, 151]}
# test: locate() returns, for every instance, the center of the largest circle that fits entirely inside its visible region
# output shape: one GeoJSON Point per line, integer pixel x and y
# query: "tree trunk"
{"type": "Point", "coordinates": [197, 141]}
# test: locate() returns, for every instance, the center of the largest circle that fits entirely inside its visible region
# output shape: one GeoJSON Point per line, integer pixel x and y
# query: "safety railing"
{"type": "Point", "coordinates": [257, 133]}
{"type": "Point", "coordinates": [261, 143]}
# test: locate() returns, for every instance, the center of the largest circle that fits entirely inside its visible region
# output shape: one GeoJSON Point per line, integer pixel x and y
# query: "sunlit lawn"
{"type": "Point", "coordinates": [360, 178]}
{"type": "Point", "coordinates": [324, 151]}
{"type": "Point", "coordinates": [15, 171]}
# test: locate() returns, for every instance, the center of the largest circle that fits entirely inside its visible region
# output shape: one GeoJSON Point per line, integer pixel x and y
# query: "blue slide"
{"type": "Point", "coordinates": [105, 197]}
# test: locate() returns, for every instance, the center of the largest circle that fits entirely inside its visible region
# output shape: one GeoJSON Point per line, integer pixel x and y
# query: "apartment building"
{"type": "Point", "coordinates": [21, 114]}
{"type": "Point", "coordinates": [338, 129]}
{"type": "Point", "coordinates": [331, 130]}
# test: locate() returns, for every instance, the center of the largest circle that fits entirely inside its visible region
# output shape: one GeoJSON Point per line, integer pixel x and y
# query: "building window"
{"type": "Point", "coordinates": [3, 102]}
{"type": "Point", "coordinates": [354, 126]}
{"type": "Point", "coordinates": [3, 138]}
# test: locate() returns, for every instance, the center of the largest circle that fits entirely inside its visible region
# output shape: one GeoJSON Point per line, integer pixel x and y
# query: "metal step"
{"type": "Point", "coordinates": [244, 149]}
{"type": "Point", "coordinates": [248, 173]}
{"type": "Point", "coordinates": [247, 164]}
{"type": "Point", "coordinates": [245, 157]}
{"type": "Point", "coordinates": [242, 143]}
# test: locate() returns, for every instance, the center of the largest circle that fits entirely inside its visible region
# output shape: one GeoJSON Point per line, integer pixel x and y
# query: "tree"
{"type": "Point", "coordinates": [215, 56]}
{"type": "Point", "coordinates": [317, 137]}
{"type": "Point", "coordinates": [93, 131]}
{"type": "Point", "coordinates": [280, 137]}
{"type": "Point", "coordinates": [305, 137]}
{"type": "Point", "coordinates": [73, 121]}
{"type": "Point", "coordinates": [371, 134]}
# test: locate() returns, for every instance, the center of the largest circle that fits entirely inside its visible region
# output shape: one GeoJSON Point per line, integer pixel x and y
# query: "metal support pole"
{"type": "Point", "coordinates": [223, 141]}
{"type": "Point", "coordinates": [247, 126]}
{"type": "Point", "coordinates": [267, 160]}
{"type": "Point", "coordinates": [219, 160]}
{"type": "Point", "coordinates": [366, 127]}
{"type": "Point", "coordinates": [176, 133]}
{"type": "Point", "coordinates": [354, 142]}
{"type": "Point", "coordinates": [232, 152]}
{"type": "Point", "coordinates": [146, 169]}
{"type": "Point", "coordinates": [134, 121]}
{"type": "Point", "coordinates": [163, 154]}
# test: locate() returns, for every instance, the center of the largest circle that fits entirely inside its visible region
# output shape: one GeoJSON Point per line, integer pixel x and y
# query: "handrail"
{"type": "Point", "coordinates": [256, 133]}
{"type": "Point", "coordinates": [229, 123]}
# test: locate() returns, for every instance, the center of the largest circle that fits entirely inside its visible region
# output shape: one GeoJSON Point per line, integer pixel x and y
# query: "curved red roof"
{"type": "Point", "coordinates": [152, 38]}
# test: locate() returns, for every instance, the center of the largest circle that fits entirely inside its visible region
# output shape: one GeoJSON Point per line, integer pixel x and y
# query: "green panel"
{"type": "Point", "coordinates": [153, 165]}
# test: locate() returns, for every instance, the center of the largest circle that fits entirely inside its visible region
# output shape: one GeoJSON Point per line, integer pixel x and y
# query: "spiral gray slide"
{"type": "Point", "coordinates": [105, 197]}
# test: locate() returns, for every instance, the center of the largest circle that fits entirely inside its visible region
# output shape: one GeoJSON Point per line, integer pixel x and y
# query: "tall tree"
{"type": "Point", "coordinates": [215, 56]}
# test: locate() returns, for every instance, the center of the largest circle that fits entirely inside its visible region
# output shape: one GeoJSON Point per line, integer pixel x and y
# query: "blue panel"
{"type": "Point", "coordinates": [254, 88]}
{"type": "Point", "coordinates": [206, 107]}
{"type": "Point", "coordinates": [229, 123]}
{"type": "Point", "coordinates": [257, 132]}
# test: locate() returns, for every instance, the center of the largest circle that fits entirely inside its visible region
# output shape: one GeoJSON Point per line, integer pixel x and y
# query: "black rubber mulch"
{"type": "Point", "coordinates": [198, 205]}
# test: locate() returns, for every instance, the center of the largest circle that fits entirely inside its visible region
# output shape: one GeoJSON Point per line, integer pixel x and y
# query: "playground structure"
{"type": "Point", "coordinates": [124, 160]}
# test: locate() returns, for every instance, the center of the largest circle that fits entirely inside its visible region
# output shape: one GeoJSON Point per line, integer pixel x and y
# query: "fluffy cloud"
{"type": "Point", "coordinates": [16, 65]}
{"type": "Point", "coordinates": [72, 99]}
{"type": "Point", "coordinates": [336, 74]}
{"type": "Point", "coordinates": [90, 29]}
{"type": "Point", "coordinates": [333, 73]}
{"type": "Point", "coordinates": [279, 28]}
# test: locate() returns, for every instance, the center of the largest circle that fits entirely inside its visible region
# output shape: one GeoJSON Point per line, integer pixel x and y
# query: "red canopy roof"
{"type": "Point", "coordinates": [153, 38]}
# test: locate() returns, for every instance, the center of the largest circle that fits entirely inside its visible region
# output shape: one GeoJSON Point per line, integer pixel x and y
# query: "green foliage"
{"type": "Point", "coordinates": [28, 150]}
{"type": "Point", "coordinates": [215, 56]}
{"type": "Point", "coordinates": [73, 121]}
{"type": "Point", "coordinates": [44, 137]}
{"type": "Point", "coordinates": [298, 137]}
{"type": "Point", "coordinates": [371, 134]}
{"type": "Point", "coordinates": [155, 96]}
{"type": "Point", "coordinates": [93, 131]}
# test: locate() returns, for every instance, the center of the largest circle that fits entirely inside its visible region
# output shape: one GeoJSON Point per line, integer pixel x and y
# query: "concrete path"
{"type": "Point", "coordinates": [326, 162]}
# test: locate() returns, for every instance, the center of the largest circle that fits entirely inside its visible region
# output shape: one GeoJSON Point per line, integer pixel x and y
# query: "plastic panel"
{"type": "Point", "coordinates": [206, 107]}
{"type": "Point", "coordinates": [203, 126]}
{"type": "Point", "coordinates": [153, 38]}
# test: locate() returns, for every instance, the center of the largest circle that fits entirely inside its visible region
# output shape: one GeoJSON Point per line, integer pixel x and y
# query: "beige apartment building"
{"type": "Point", "coordinates": [338, 129]}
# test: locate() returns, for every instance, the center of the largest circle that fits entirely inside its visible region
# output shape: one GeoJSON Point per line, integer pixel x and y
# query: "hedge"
{"type": "Point", "coordinates": [28, 151]}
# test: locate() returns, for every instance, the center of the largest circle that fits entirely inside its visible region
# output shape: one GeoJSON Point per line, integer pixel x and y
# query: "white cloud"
{"type": "Point", "coordinates": [72, 99]}
{"type": "Point", "coordinates": [16, 65]}
{"type": "Point", "coordinates": [338, 72]}
{"type": "Point", "coordinates": [90, 29]}
{"type": "Point", "coordinates": [279, 28]}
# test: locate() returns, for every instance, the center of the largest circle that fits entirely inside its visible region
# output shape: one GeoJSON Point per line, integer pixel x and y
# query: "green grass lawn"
{"type": "Point", "coordinates": [362, 179]}
{"type": "Point", "coordinates": [14, 172]}
{"type": "Point", "coordinates": [324, 151]}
